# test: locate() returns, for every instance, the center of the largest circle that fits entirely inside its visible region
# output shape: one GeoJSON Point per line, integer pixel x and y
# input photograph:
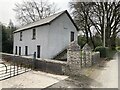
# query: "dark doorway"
{"type": "Point", "coordinates": [38, 51]}
{"type": "Point", "coordinates": [19, 50]}
{"type": "Point", "coordinates": [16, 50]}
{"type": "Point", "coordinates": [26, 50]}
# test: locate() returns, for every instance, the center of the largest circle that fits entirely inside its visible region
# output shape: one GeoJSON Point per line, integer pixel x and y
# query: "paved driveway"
{"type": "Point", "coordinates": [32, 79]}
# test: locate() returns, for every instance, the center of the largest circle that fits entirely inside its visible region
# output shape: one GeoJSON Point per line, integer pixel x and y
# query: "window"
{"type": "Point", "coordinates": [20, 36]}
{"type": "Point", "coordinates": [16, 50]}
{"type": "Point", "coordinates": [38, 51]}
{"type": "Point", "coordinates": [19, 50]}
{"type": "Point", "coordinates": [72, 36]}
{"type": "Point", "coordinates": [34, 34]}
{"type": "Point", "coordinates": [26, 50]}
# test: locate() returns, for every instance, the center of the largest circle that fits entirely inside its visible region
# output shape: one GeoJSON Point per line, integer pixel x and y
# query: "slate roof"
{"type": "Point", "coordinates": [44, 21]}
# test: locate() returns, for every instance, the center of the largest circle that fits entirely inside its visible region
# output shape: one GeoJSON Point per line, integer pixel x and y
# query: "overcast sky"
{"type": "Point", "coordinates": [7, 13]}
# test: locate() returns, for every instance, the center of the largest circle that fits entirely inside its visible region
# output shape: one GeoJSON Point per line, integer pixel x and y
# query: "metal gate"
{"type": "Point", "coordinates": [16, 67]}
{"type": "Point", "coordinates": [8, 70]}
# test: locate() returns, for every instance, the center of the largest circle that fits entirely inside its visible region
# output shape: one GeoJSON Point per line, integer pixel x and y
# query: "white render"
{"type": "Point", "coordinates": [52, 38]}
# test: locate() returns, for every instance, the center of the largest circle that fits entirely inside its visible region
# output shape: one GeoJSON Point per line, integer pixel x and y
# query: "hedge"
{"type": "Point", "coordinates": [103, 51]}
{"type": "Point", "coordinates": [118, 48]}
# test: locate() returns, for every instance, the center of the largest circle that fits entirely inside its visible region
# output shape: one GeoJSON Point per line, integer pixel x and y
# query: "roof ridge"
{"type": "Point", "coordinates": [45, 18]}
{"type": "Point", "coordinates": [43, 21]}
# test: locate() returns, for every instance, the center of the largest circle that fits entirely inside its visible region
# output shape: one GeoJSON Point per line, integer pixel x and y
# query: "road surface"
{"type": "Point", "coordinates": [108, 78]}
{"type": "Point", "coordinates": [103, 75]}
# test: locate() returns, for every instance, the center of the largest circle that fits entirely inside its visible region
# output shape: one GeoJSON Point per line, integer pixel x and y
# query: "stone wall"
{"type": "Point", "coordinates": [78, 59]}
{"type": "Point", "coordinates": [75, 61]}
{"type": "Point", "coordinates": [73, 58]}
{"type": "Point", "coordinates": [95, 57]}
{"type": "Point", "coordinates": [50, 66]}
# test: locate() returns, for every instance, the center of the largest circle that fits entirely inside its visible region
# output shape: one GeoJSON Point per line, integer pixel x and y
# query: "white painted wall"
{"type": "Point", "coordinates": [59, 35]}
{"type": "Point", "coordinates": [41, 39]}
{"type": "Point", "coordinates": [52, 38]}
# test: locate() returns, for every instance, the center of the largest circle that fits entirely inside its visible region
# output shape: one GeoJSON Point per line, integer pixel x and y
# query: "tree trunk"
{"type": "Point", "coordinates": [113, 40]}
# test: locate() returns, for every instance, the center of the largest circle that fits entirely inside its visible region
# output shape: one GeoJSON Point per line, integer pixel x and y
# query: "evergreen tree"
{"type": "Point", "coordinates": [7, 37]}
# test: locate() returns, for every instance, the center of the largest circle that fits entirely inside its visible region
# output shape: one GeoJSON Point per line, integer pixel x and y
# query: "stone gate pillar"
{"type": "Point", "coordinates": [73, 58]}
{"type": "Point", "coordinates": [86, 51]}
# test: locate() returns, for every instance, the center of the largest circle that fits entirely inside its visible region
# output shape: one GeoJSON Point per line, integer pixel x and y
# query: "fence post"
{"type": "Point", "coordinates": [14, 68]}
{"type": "Point", "coordinates": [17, 68]}
{"type": "Point", "coordinates": [10, 70]}
{"type": "Point", "coordinates": [13, 64]}
{"type": "Point", "coordinates": [85, 59]}
{"type": "Point", "coordinates": [81, 57]}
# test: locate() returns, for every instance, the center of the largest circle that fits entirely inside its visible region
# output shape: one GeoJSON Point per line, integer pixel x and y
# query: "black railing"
{"type": "Point", "coordinates": [16, 67]}
{"type": "Point", "coordinates": [10, 70]}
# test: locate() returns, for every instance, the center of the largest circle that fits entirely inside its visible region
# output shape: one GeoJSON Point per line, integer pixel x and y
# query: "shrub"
{"type": "Point", "coordinates": [103, 51]}
{"type": "Point", "coordinates": [118, 48]}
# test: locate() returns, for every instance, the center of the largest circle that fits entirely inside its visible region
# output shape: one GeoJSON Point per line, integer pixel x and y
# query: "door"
{"type": "Point", "coordinates": [26, 50]}
{"type": "Point", "coordinates": [19, 50]}
{"type": "Point", "coordinates": [16, 50]}
{"type": "Point", "coordinates": [38, 51]}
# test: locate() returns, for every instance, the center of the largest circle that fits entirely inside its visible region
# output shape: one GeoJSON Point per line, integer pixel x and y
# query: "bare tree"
{"type": "Point", "coordinates": [108, 19]}
{"type": "Point", "coordinates": [81, 13]}
{"type": "Point", "coordinates": [100, 15]}
{"type": "Point", "coordinates": [31, 11]}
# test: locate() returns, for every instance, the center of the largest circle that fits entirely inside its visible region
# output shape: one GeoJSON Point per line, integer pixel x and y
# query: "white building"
{"type": "Point", "coordinates": [46, 37]}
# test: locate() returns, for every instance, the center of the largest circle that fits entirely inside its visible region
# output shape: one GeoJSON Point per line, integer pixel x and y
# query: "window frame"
{"type": "Point", "coordinates": [72, 36]}
{"type": "Point", "coordinates": [21, 36]}
{"type": "Point", "coordinates": [33, 34]}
